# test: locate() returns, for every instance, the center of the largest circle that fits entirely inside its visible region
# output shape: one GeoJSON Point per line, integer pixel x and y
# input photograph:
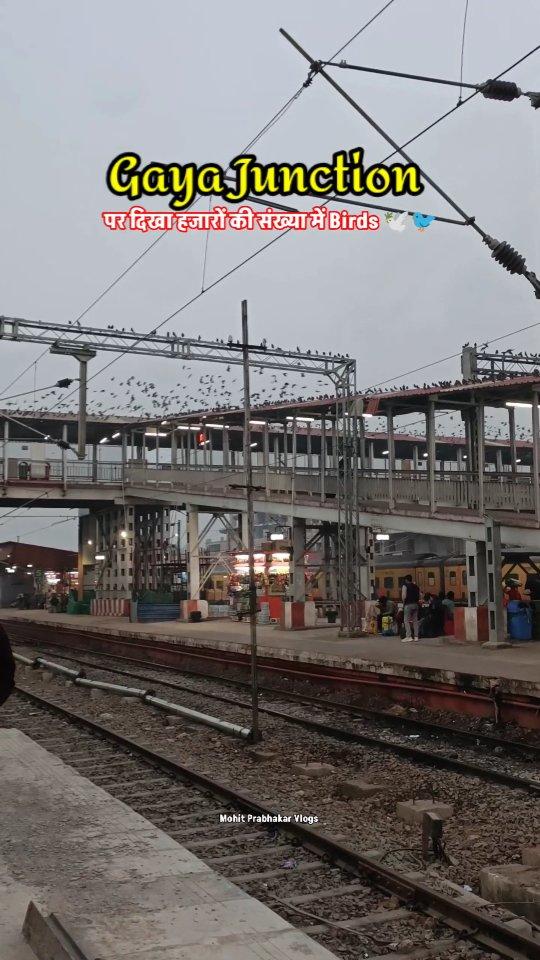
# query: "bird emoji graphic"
{"type": "Point", "coordinates": [422, 220]}
{"type": "Point", "coordinates": [396, 222]}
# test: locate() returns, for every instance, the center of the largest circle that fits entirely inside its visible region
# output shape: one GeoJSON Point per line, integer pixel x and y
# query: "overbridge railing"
{"type": "Point", "coordinates": [452, 488]}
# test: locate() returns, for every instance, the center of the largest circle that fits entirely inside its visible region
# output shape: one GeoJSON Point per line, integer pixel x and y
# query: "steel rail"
{"type": "Point", "coordinates": [416, 754]}
{"type": "Point", "coordinates": [414, 723]}
{"type": "Point", "coordinates": [347, 676]}
{"type": "Point", "coordinates": [471, 923]}
{"type": "Point", "coordinates": [238, 660]}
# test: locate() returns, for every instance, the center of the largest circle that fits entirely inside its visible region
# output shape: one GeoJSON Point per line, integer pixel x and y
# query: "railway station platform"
{"type": "Point", "coordinates": [117, 885]}
{"type": "Point", "coordinates": [440, 662]}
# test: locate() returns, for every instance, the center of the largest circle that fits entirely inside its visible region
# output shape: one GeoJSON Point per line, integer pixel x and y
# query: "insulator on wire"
{"type": "Point", "coordinates": [504, 254]}
{"type": "Point", "coordinates": [500, 90]}
{"type": "Point", "coordinates": [535, 100]}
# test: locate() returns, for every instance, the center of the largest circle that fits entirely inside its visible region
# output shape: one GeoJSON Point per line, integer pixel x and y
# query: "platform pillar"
{"type": "Point", "coordinates": [193, 559]}
{"type": "Point", "coordinates": [536, 456]}
{"type": "Point", "coordinates": [496, 617]}
{"type": "Point", "coordinates": [475, 556]}
{"type": "Point", "coordinates": [512, 437]}
{"type": "Point", "coordinates": [481, 454]}
{"type": "Point", "coordinates": [431, 452]}
{"type": "Point", "coordinates": [367, 563]}
{"type": "Point", "coordinates": [174, 446]}
{"type": "Point", "coordinates": [391, 457]}
{"type": "Point", "coordinates": [322, 461]}
{"type": "Point", "coordinates": [299, 560]}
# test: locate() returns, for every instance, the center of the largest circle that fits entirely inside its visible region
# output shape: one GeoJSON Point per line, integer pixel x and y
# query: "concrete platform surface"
{"type": "Point", "coordinates": [122, 887]}
{"type": "Point", "coordinates": [376, 654]}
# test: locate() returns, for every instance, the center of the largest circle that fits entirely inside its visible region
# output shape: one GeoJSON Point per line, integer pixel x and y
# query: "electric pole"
{"type": "Point", "coordinates": [255, 732]}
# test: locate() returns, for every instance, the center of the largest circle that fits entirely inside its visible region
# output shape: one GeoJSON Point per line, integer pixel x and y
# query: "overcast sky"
{"type": "Point", "coordinates": [194, 82]}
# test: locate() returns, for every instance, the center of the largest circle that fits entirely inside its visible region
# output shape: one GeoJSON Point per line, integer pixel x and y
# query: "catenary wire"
{"type": "Point", "coordinates": [265, 246]}
{"type": "Point", "coordinates": [277, 116]}
{"type": "Point", "coordinates": [463, 48]}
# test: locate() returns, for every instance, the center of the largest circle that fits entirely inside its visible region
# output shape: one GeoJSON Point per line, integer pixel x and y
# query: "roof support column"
{"type": "Point", "coordinates": [391, 457]}
{"type": "Point", "coordinates": [266, 458]}
{"type": "Point", "coordinates": [64, 452]}
{"type": "Point", "coordinates": [371, 454]}
{"type": "Point", "coordinates": [536, 456]}
{"type": "Point", "coordinates": [362, 441]}
{"type": "Point", "coordinates": [124, 448]}
{"type": "Point", "coordinates": [299, 560]}
{"type": "Point", "coordinates": [499, 461]}
{"type": "Point", "coordinates": [431, 452]}
{"type": "Point", "coordinates": [193, 561]}
{"type": "Point", "coordinates": [174, 446]}
{"type": "Point", "coordinates": [460, 460]}
{"type": "Point", "coordinates": [496, 615]}
{"type": "Point", "coordinates": [415, 459]}
{"type": "Point", "coordinates": [225, 446]}
{"type": "Point", "coordinates": [475, 558]}
{"type": "Point", "coordinates": [309, 448]}
{"type": "Point", "coordinates": [95, 450]}
{"type": "Point", "coordinates": [322, 461]}
{"type": "Point", "coordinates": [512, 436]}
{"type": "Point", "coordinates": [481, 455]}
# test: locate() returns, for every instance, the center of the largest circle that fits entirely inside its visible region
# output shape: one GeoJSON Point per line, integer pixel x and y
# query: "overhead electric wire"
{"type": "Point", "coordinates": [277, 116]}
{"type": "Point", "coordinates": [463, 49]}
{"type": "Point", "coordinates": [460, 103]}
{"type": "Point", "coordinates": [451, 356]}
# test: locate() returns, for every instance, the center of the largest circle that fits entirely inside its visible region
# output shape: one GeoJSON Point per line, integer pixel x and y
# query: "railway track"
{"type": "Point", "coordinates": [355, 905]}
{"type": "Point", "coordinates": [465, 698]}
{"type": "Point", "coordinates": [436, 755]}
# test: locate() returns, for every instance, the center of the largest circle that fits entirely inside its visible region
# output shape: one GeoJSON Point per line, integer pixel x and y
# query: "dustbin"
{"type": "Point", "coordinates": [519, 620]}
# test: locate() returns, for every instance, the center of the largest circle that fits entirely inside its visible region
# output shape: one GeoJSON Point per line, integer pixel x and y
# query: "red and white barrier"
{"type": "Point", "coordinates": [109, 607]}
{"type": "Point", "coordinates": [297, 615]}
{"type": "Point", "coordinates": [193, 606]}
{"type": "Point", "coordinates": [471, 624]}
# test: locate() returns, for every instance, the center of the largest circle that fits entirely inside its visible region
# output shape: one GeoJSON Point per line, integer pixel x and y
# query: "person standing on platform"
{"type": "Point", "coordinates": [7, 667]}
{"type": "Point", "coordinates": [410, 594]}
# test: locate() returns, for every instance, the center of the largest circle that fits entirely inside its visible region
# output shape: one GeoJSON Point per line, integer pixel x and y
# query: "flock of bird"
{"type": "Point", "coordinates": [213, 393]}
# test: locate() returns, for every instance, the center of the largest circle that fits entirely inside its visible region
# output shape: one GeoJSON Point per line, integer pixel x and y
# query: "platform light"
{"type": "Point", "coordinates": [116, 435]}
{"type": "Point", "coordinates": [382, 536]}
{"type": "Point", "coordinates": [425, 456]}
{"type": "Point", "coordinates": [368, 414]}
{"type": "Point", "coordinates": [10, 569]}
{"type": "Point", "coordinates": [385, 453]}
{"type": "Point", "coordinates": [164, 423]}
{"type": "Point", "coordinates": [215, 426]}
{"type": "Point", "coordinates": [154, 433]}
{"type": "Point", "coordinates": [277, 536]}
{"type": "Point", "coordinates": [99, 556]}
{"type": "Point", "coordinates": [89, 542]}
{"type": "Point", "coordinates": [303, 419]}
{"type": "Point", "coordinates": [518, 460]}
{"type": "Point", "coordinates": [253, 444]}
{"type": "Point", "coordinates": [123, 534]}
{"type": "Point", "coordinates": [465, 457]}
{"type": "Point", "coordinates": [29, 564]}
{"type": "Point", "coordinates": [258, 423]}
{"type": "Point", "coordinates": [518, 403]}
{"type": "Point", "coordinates": [104, 440]}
